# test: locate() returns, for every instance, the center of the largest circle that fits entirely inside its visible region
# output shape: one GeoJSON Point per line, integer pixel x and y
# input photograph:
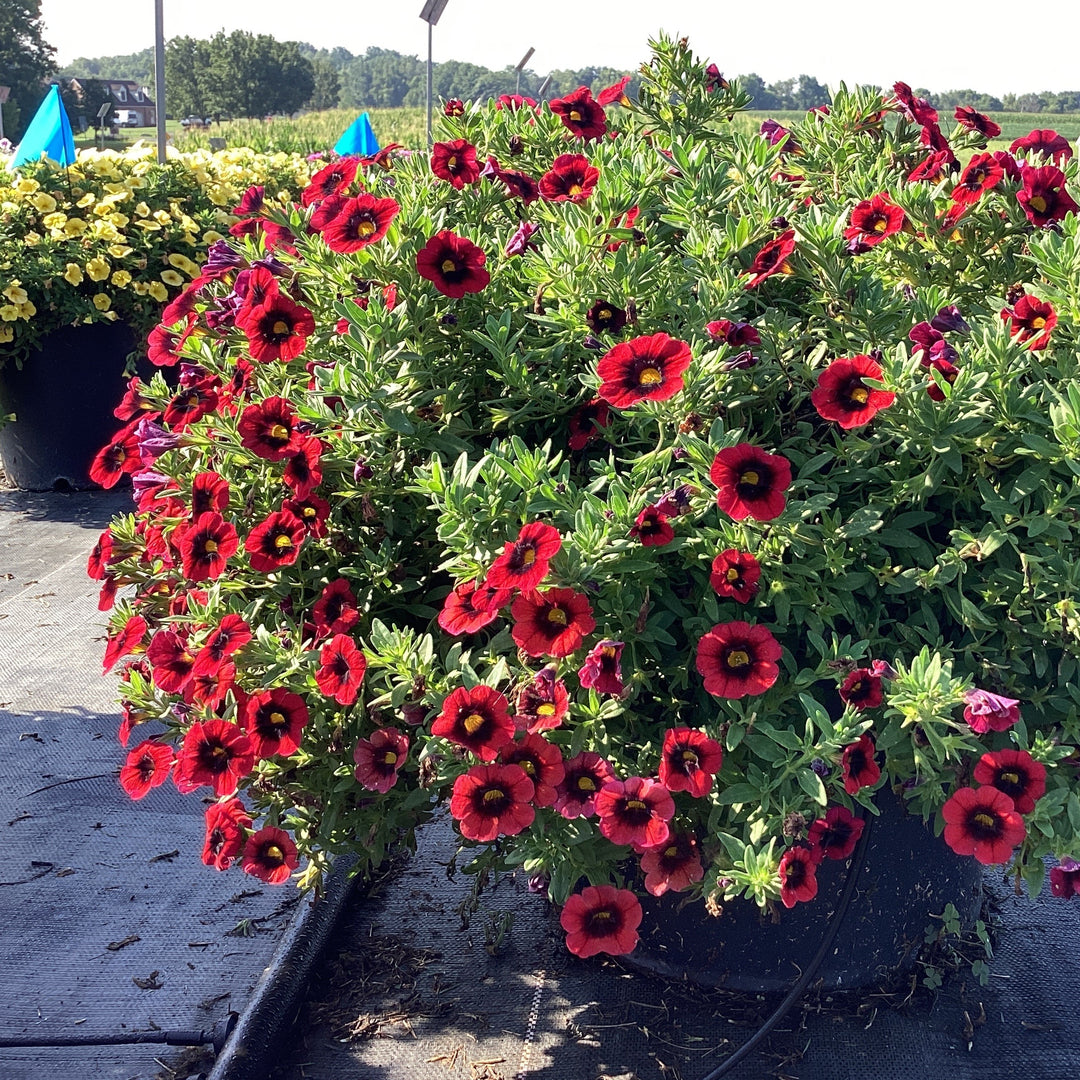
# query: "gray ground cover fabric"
{"type": "Point", "coordinates": [83, 867]}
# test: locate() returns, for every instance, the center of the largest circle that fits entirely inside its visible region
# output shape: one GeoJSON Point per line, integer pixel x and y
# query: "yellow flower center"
{"type": "Point", "coordinates": [448, 266]}
{"type": "Point", "coordinates": [750, 477]}
{"type": "Point", "coordinates": [528, 766]}
{"type": "Point", "coordinates": [604, 313]}
{"type": "Point", "coordinates": [1010, 777]}
{"type": "Point", "coordinates": [671, 852]}
{"type": "Point", "coordinates": [365, 229]}
{"type": "Point", "coordinates": [1038, 322]}
{"type": "Point", "coordinates": [282, 542]}
{"type": "Point", "coordinates": [279, 431]}
{"type": "Point", "coordinates": [281, 327]}
{"type": "Point", "coordinates": [1038, 202]}
{"type": "Point", "coordinates": [492, 795]}
{"type": "Point", "coordinates": [219, 752]}
{"type": "Point", "coordinates": [737, 659]}
{"type": "Point", "coordinates": [985, 820]}
{"type": "Point", "coordinates": [451, 162]}
{"type": "Point", "coordinates": [608, 651]}
{"type": "Point", "coordinates": [277, 719]}
{"type": "Point", "coordinates": [274, 853]}
{"type": "Point", "coordinates": [635, 804]}
{"type": "Point", "coordinates": [575, 116]}
{"type": "Point", "coordinates": [210, 546]}
{"type": "Point", "coordinates": [732, 574]}
{"type": "Point", "coordinates": [690, 757]}
{"type": "Point", "coordinates": [881, 224]}
{"type": "Point", "coordinates": [860, 394]}
{"type": "Point", "coordinates": [585, 783]}
{"type": "Point", "coordinates": [547, 709]}
{"type": "Point", "coordinates": [650, 376]}
{"type": "Point", "coordinates": [575, 189]}
{"type": "Point", "coordinates": [557, 615]}
{"type": "Point", "coordinates": [473, 723]}
{"type": "Point", "coordinates": [389, 758]}
{"type": "Point", "coordinates": [528, 557]}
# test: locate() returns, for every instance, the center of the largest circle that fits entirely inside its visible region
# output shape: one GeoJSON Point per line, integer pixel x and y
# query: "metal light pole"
{"type": "Point", "coordinates": [433, 9]}
{"type": "Point", "coordinates": [4, 91]}
{"type": "Point", "coordinates": [521, 64]}
{"type": "Point", "coordinates": [159, 77]}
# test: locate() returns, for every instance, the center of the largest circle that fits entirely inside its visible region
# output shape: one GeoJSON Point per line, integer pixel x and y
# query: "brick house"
{"type": "Point", "coordinates": [126, 94]}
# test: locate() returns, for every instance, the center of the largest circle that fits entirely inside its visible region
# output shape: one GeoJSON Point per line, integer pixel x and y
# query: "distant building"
{"type": "Point", "coordinates": [128, 97]}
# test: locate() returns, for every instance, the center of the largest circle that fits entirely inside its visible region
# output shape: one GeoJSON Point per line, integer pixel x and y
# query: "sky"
{"type": "Point", "coordinates": [926, 43]}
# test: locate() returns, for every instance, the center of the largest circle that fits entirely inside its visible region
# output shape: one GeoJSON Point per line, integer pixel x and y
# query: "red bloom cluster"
{"type": "Point", "coordinates": [798, 876]}
{"type": "Point", "coordinates": [772, 259]}
{"type": "Point", "coordinates": [552, 623]}
{"type": "Point", "coordinates": [674, 865]}
{"type": "Point", "coordinates": [478, 719]}
{"type": "Point", "coordinates": [492, 800]}
{"type": "Point", "coordinates": [270, 855]}
{"type": "Point", "coordinates": [982, 822]}
{"type": "Point", "coordinates": [379, 759]}
{"type": "Point", "coordinates": [858, 765]}
{"type": "Point", "coordinates": [602, 671]}
{"type": "Point", "coordinates": [735, 574]}
{"type": "Point", "coordinates": [455, 162]}
{"type": "Point", "coordinates": [841, 394]}
{"type": "Point", "coordinates": [689, 761]}
{"type": "Point", "coordinates": [471, 606]}
{"type": "Point", "coordinates": [524, 561]}
{"type": "Point", "coordinates": [357, 222]}
{"type": "Point", "coordinates": [570, 179]}
{"type": "Point", "coordinates": [835, 835]}
{"type": "Point", "coordinates": [862, 689]}
{"type": "Point", "coordinates": [635, 811]}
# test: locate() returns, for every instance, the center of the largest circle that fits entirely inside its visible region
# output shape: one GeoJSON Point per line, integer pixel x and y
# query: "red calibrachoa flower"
{"type": "Point", "coordinates": [581, 113]}
{"type": "Point", "coordinates": [586, 422]}
{"type": "Point", "coordinates": [985, 712]}
{"type": "Point", "coordinates": [738, 335]}
{"type": "Point", "coordinates": [615, 93]}
{"type": "Point", "coordinates": [948, 372]}
{"type": "Point", "coordinates": [983, 172]}
{"type": "Point", "coordinates": [543, 765]}
{"type": "Point", "coordinates": [543, 703]}
{"type": "Point", "coordinates": [551, 623]}
{"type": "Point", "coordinates": [750, 482]}
{"type": "Point", "coordinates": [675, 864]}
{"type": "Point", "coordinates": [455, 162]}
{"type": "Point", "coordinates": [1015, 773]}
{"type": "Point", "coordinates": [471, 606]}
{"type": "Point", "coordinates": [313, 511]}
{"type": "Point", "coordinates": [274, 721]}
{"type": "Point", "coordinates": [119, 456]}
{"type": "Point", "coordinates": [1043, 141]}
{"type": "Point", "coordinates": [100, 556]}
{"type": "Point", "coordinates": [651, 527]}
{"type": "Point", "coordinates": [604, 317]}
{"type": "Point", "coordinates": [600, 919]}
{"type": "Point", "coordinates": [380, 758]}
{"type": "Point", "coordinates": [735, 574]}
{"type": "Point", "coordinates": [163, 344]}
{"type": "Point", "coordinates": [341, 669]}
{"type": "Point", "coordinates": [303, 473]}
{"type": "Point", "coordinates": [648, 368]}
{"type": "Point", "coordinates": [835, 835]}
{"type": "Point", "coordinates": [209, 492]}
{"type": "Point", "coordinates": [209, 687]}
{"type": "Point", "coordinates": [206, 545]}
{"type": "Point", "coordinates": [798, 876]}
{"type": "Point", "coordinates": [862, 689]}
{"type": "Point", "coordinates": [875, 219]}
{"type": "Point", "coordinates": [192, 402]}
{"type": "Point", "coordinates": [966, 116]}
{"type": "Point", "coordinates": [932, 168]}
{"type": "Point", "coordinates": [602, 671]}
{"type": "Point", "coordinates": [169, 657]}
{"type": "Point", "coordinates": [570, 179]}
{"type": "Point", "coordinates": [1043, 195]}
{"type": "Point", "coordinates": [226, 833]}
{"type": "Point", "coordinates": [635, 811]}
{"type": "Point", "coordinates": [214, 752]}
{"type": "Point", "coordinates": [358, 222]}
{"type": "Point", "coordinates": [771, 259]}
{"type": "Point", "coordinates": [276, 330]}
{"type": "Point", "coordinates": [147, 766]}
{"type": "Point", "coordinates": [455, 265]}
{"type": "Point", "coordinates": [982, 822]}
{"type": "Point", "coordinates": [332, 179]}
{"type": "Point", "coordinates": [226, 639]}
{"type": "Point", "coordinates": [1065, 879]}
{"type": "Point", "coordinates": [336, 610]}
{"type": "Point", "coordinates": [583, 778]}
{"type": "Point", "coordinates": [524, 561]}
{"type": "Point", "coordinates": [126, 640]}
{"type": "Point", "coordinates": [275, 542]}
{"type": "Point", "coordinates": [738, 659]}
{"type": "Point", "coordinates": [689, 761]}
{"type": "Point", "coordinates": [1031, 320]}
{"type": "Point", "coordinates": [841, 394]}
{"type": "Point", "coordinates": [268, 429]}
{"type": "Point", "coordinates": [270, 856]}
{"type": "Point", "coordinates": [858, 765]}
{"type": "Point", "coordinates": [454, 107]}
{"type": "Point", "coordinates": [478, 719]}
{"type": "Point", "coordinates": [492, 800]}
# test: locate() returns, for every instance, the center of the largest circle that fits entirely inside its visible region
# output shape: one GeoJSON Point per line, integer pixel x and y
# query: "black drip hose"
{"type": "Point", "coordinates": [796, 991]}
{"type": "Point", "coordinates": [217, 1035]}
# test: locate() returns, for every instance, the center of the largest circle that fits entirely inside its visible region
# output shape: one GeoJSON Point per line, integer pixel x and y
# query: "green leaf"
{"type": "Point", "coordinates": [739, 793]}
{"type": "Point", "coordinates": [812, 784]}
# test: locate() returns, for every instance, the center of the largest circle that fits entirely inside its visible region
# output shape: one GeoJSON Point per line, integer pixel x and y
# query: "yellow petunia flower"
{"type": "Point", "coordinates": [8, 312]}
{"type": "Point", "coordinates": [55, 221]}
{"type": "Point", "coordinates": [121, 279]}
{"type": "Point", "coordinates": [73, 274]}
{"type": "Point", "coordinates": [140, 288]}
{"type": "Point", "coordinates": [158, 291]}
{"type": "Point", "coordinates": [15, 292]}
{"type": "Point", "coordinates": [119, 251]}
{"type": "Point", "coordinates": [102, 301]}
{"type": "Point", "coordinates": [211, 236]}
{"type": "Point", "coordinates": [171, 277]}
{"type": "Point", "coordinates": [142, 210]}
{"type": "Point", "coordinates": [26, 186]}
{"type": "Point", "coordinates": [6, 334]}
{"type": "Point", "coordinates": [75, 226]}
{"type": "Point", "coordinates": [97, 269]}
{"type": "Point", "coordinates": [43, 202]}
{"type": "Point", "coordinates": [28, 310]}
{"type": "Point", "coordinates": [87, 200]}
{"type": "Point", "coordinates": [182, 262]}
{"type": "Point", "coordinates": [162, 217]}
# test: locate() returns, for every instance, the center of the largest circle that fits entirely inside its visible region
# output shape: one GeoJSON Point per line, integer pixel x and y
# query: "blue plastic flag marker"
{"type": "Point", "coordinates": [49, 133]}
{"type": "Point", "coordinates": [358, 139]}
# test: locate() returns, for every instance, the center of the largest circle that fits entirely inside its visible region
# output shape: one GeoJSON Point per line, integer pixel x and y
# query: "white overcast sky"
{"type": "Point", "coordinates": [927, 43]}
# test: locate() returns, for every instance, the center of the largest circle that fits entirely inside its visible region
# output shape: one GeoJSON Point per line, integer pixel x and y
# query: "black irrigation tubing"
{"type": "Point", "coordinates": [796, 991]}
{"type": "Point", "coordinates": [216, 1035]}
{"type": "Point", "coordinates": [248, 1053]}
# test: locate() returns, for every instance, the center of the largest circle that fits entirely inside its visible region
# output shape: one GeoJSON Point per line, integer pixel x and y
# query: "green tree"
{"type": "Point", "coordinates": [327, 90]}
{"type": "Point", "coordinates": [26, 60]}
{"type": "Point", "coordinates": [255, 75]}
{"type": "Point", "coordinates": [186, 62]}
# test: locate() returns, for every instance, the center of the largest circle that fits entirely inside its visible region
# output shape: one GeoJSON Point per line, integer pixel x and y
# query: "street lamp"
{"type": "Point", "coordinates": [159, 77]}
{"type": "Point", "coordinates": [521, 64]}
{"type": "Point", "coordinates": [431, 14]}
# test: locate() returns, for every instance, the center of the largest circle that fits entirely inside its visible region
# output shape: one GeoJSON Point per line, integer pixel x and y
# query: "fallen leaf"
{"type": "Point", "coordinates": [149, 983]}
{"type": "Point", "coordinates": [116, 946]}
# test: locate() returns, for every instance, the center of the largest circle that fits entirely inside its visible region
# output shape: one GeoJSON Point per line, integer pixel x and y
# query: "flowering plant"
{"type": "Point", "coordinates": [115, 235]}
{"type": "Point", "coordinates": [652, 493]}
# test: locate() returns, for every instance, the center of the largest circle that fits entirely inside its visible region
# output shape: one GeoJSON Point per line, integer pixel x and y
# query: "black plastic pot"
{"type": "Point", "coordinates": [908, 877]}
{"type": "Point", "coordinates": [63, 399]}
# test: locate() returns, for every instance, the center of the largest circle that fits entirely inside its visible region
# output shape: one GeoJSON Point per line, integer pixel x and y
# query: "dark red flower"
{"type": "Point", "coordinates": [586, 422]}
{"type": "Point", "coordinates": [648, 368]}
{"type": "Point", "coordinates": [303, 473]}
{"type": "Point", "coordinates": [771, 259]}
{"type": "Point", "coordinates": [492, 800]}
{"type": "Point", "coordinates": [358, 222]}
{"type": "Point", "coordinates": [146, 766]}
{"type": "Point", "coordinates": [455, 162]}
{"type": "Point", "coordinates": [226, 639]}
{"type": "Point", "coordinates": [274, 721]}
{"type": "Point", "coordinates": [209, 686]}
{"type": "Point", "coordinates": [614, 93]}
{"type": "Point", "coordinates": [270, 856]}
{"type": "Point", "coordinates": [471, 606]}
{"type": "Point", "coordinates": [192, 402]}
{"type": "Point", "coordinates": [583, 778]}
{"type": "Point", "coordinates": [453, 107]}
{"type": "Point", "coordinates": [982, 174]}
{"type": "Point", "coordinates": [455, 265]}
{"type": "Point", "coordinates": [798, 876]}
{"type": "Point", "coordinates": [835, 835]}
{"type": "Point", "coordinates": [976, 121]}
{"type": "Point", "coordinates": [1065, 879]}
{"type": "Point", "coordinates": [858, 765]}
{"type": "Point", "coordinates": [126, 640]}
{"type": "Point", "coordinates": [1016, 773]}
{"type": "Point", "coordinates": [313, 511]}
{"type": "Point", "coordinates": [379, 759]}
{"type": "Point", "coordinates": [1043, 195]}
{"type": "Point", "coordinates": [100, 556]}
{"type": "Point", "coordinates": [932, 168]}
{"type": "Point", "coordinates": [862, 689]}
{"type": "Point", "coordinates": [635, 811]}
{"type": "Point", "coordinates": [206, 545]}
{"type": "Point", "coordinates": [332, 179]}
{"type": "Point", "coordinates": [985, 712]}
{"type": "Point", "coordinates": [335, 611]}
{"type": "Point", "coordinates": [600, 919]}
{"type": "Point", "coordinates": [133, 405]}
{"type": "Point", "coordinates": [580, 113]}
{"type": "Point", "coordinates": [1043, 141]}
{"type": "Point", "coordinates": [602, 671]}
{"type": "Point", "coordinates": [169, 657]}
{"type": "Point", "coordinates": [750, 482]}
{"type": "Point", "coordinates": [689, 761]}
{"type": "Point", "coordinates": [164, 344]}
{"type": "Point", "coordinates": [341, 669]}
{"type": "Point", "coordinates": [735, 574]}
{"type": "Point", "coordinates": [209, 492]}
{"type": "Point", "coordinates": [603, 316]}
{"type": "Point", "coordinates": [226, 833]}
{"type": "Point", "coordinates": [543, 703]}
{"type": "Point", "coordinates": [948, 372]}
{"type": "Point", "coordinates": [738, 335]}
{"type": "Point", "coordinates": [478, 719]}
{"type": "Point", "coordinates": [675, 864]}
{"type": "Point", "coordinates": [524, 561]}
{"type": "Point", "coordinates": [874, 219]}
{"type": "Point", "coordinates": [1031, 320]}
{"type": "Point", "coordinates": [570, 179]}
{"type": "Point", "coordinates": [277, 329]}
{"type": "Point", "coordinates": [982, 822]}
{"type": "Point", "coordinates": [119, 456]}
{"type": "Point", "coordinates": [651, 527]}
{"type": "Point", "coordinates": [551, 623]}
{"type": "Point", "coordinates": [738, 659]}
{"type": "Point", "coordinates": [214, 752]}
{"type": "Point", "coordinates": [183, 304]}
{"type": "Point", "coordinates": [275, 542]}
{"type": "Point", "coordinates": [543, 765]}
{"type": "Point", "coordinates": [513, 102]}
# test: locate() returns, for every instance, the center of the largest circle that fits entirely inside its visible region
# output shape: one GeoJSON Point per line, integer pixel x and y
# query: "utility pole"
{"type": "Point", "coordinates": [159, 77]}
{"type": "Point", "coordinates": [433, 9]}
{"type": "Point", "coordinates": [4, 92]}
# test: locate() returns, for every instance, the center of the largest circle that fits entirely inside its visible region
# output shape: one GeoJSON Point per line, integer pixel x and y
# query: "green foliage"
{"type": "Point", "coordinates": [26, 59]}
